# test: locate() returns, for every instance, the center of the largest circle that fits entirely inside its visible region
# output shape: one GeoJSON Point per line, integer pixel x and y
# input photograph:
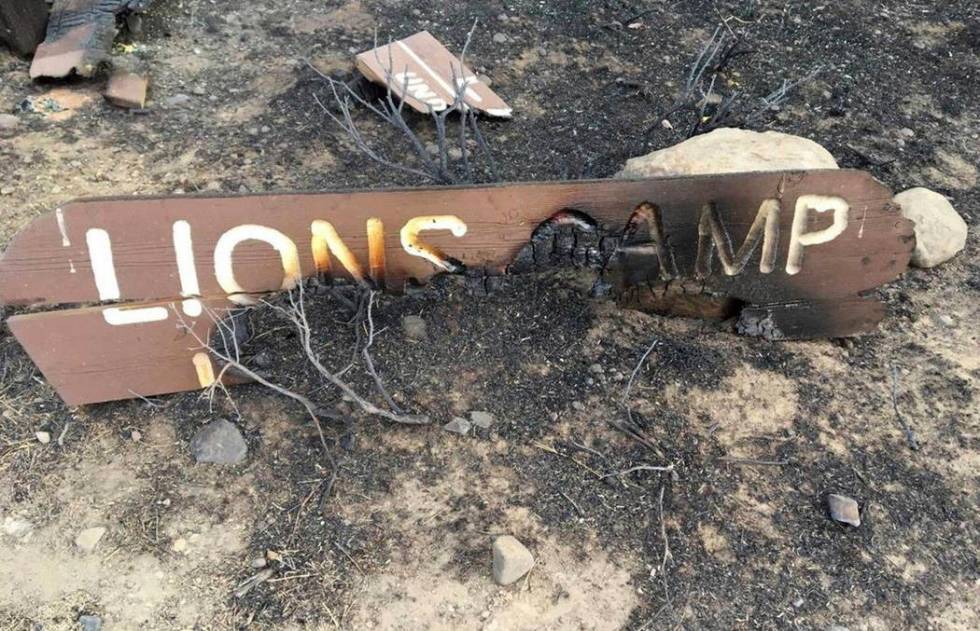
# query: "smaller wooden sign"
{"type": "Point", "coordinates": [420, 71]}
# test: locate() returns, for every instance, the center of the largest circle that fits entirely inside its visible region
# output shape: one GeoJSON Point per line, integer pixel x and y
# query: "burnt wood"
{"type": "Point", "coordinates": [128, 251]}
{"type": "Point", "coordinates": [22, 24]}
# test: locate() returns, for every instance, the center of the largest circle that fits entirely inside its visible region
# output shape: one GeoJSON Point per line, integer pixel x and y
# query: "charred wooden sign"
{"type": "Point", "coordinates": [792, 254]}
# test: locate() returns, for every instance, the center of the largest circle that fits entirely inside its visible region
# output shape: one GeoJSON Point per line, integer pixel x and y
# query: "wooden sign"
{"type": "Point", "coordinates": [420, 71]}
{"type": "Point", "coordinates": [797, 252]}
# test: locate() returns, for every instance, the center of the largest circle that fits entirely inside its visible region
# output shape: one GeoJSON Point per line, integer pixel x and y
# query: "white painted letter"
{"type": "Point", "coordinates": [223, 266]}
{"type": "Point", "coordinates": [325, 242]}
{"type": "Point", "coordinates": [414, 246]}
{"type": "Point", "coordinates": [800, 239]}
{"type": "Point", "coordinates": [104, 270]}
{"type": "Point", "coordinates": [187, 269]}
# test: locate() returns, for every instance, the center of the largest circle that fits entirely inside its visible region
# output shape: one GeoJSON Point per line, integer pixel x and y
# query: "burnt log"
{"type": "Point", "coordinates": [22, 24]}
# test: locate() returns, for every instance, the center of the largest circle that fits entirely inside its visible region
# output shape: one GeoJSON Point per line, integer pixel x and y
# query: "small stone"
{"type": "Point", "coordinates": [16, 527]}
{"type": "Point", "coordinates": [127, 89]}
{"type": "Point", "coordinates": [414, 328]}
{"type": "Point", "coordinates": [177, 100]}
{"type": "Point", "coordinates": [136, 436]}
{"type": "Point", "coordinates": [43, 437]}
{"type": "Point", "coordinates": [179, 545]}
{"type": "Point", "coordinates": [798, 602]}
{"type": "Point", "coordinates": [596, 369]}
{"type": "Point", "coordinates": [578, 405]}
{"type": "Point", "coordinates": [199, 90]}
{"type": "Point", "coordinates": [455, 153]}
{"type": "Point", "coordinates": [482, 419]}
{"type": "Point", "coordinates": [8, 124]}
{"type": "Point", "coordinates": [263, 359]}
{"type": "Point", "coordinates": [458, 425]}
{"type": "Point", "coordinates": [219, 442]}
{"type": "Point", "coordinates": [499, 38]}
{"type": "Point", "coordinates": [844, 509]}
{"type": "Point", "coordinates": [511, 560]}
{"type": "Point", "coordinates": [258, 563]}
{"type": "Point", "coordinates": [940, 232]}
{"type": "Point", "coordinates": [89, 538]}
{"type": "Point", "coordinates": [90, 623]}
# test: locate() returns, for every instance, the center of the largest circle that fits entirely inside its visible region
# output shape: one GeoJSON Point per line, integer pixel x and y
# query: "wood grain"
{"type": "Point", "coordinates": [420, 70]}
{"type": "Point", "coordinates": [88, 359]}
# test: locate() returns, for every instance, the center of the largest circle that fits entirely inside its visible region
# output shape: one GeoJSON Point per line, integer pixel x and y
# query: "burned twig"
{"type": "Point", "coordinates": [752, 461]}
{"type": "Point", "coordinates": [700, 99]}
{"type": "Point", "coordinates": [642, 467]}
{"type": "Point", "coordinates": [629, 384]}
{"type": "Point", "coordinates": [909, 434]}
{"type": "Point", "coordinates": [391, 110]}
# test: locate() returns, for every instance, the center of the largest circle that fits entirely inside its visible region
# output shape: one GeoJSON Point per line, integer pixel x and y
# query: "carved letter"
{"type": "Point", "coordinates": [800, 239]}
{"type": "Point", "coordinates": [325, 242]}
{"type": "Point", "coordinates": [190, 289]}
{"type": "Point", "coordinates": [711, 228]}
{"type": "Point", "coordinates": [649, 214]}
{"type": "Point", "coordinates": [224, 268]}
{"type": "Point", "coordinates": [104, 270]}
{"type": "Point", "coordinates": [414, 246]}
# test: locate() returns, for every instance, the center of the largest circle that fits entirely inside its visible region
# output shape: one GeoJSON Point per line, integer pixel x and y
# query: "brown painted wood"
{"type": "Point", "coordinates": [420, 70]}
{"type": "Point", "coordinates": [88, 360]}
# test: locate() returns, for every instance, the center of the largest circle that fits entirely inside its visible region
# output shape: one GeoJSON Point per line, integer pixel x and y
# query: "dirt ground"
{"type": "Point", "coordinates": [403, 539]}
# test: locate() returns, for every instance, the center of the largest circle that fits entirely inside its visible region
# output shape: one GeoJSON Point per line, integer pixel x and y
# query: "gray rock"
{"type": "Point", "coordinates": [482, 419]}
{"type": "Point", "coordinates": [219, 442]}
{"type": "Point", "coordinates": [177, 100]}
{"type": "Point", "coordinates": [458, 425]}
{"type": "Point", "coordinates": [90, 623]}
{"type": "Point", "coordinates": [43, 437]}
{"type": "Point", "coordinates": [940, 232]}
{"type": "Point", "coordinates": [17, 527]}
{"type": "Point", "coordinates": [731, 151]}
{"type": "Point", "coordinates": [844, 509]}
{"type": "Point", "coordinates": [89, 538]}
{"type": "Point", "coordinates": [499, 38]}
{"type": "Point", "coordinates": [414, 328]}
{"type": "Point", "coordinates": [8, 124]}
{"type": "Point", "coordinates": [511, 560]}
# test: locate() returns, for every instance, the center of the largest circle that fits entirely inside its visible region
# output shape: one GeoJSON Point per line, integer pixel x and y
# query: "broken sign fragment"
{"type": "Point", "coordinates": [127, 89]}
{"type": "Point", "coordinates": [79, 36]}
{"type": "Point", "coordinates": [423, 73]}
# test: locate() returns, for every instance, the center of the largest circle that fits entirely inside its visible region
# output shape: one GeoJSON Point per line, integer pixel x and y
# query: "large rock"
{"type": "Point", "coordinates": [731, 151]}
{"type": "Point", "coordinates": [511, 560]}
{"type": "Point", "coordinates": [940, 232]}
{"type": "Point", "coordinates": [219, 442]}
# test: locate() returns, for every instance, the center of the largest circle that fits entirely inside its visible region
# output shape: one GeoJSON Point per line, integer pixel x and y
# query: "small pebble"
{"type": "Point", "coordinates": [499, 38]}
{"type": "Point", "coordinates": [414, 328]}
{"type": "Point", "coordinates": [90, 623]}
{"type": "Point", "coordinates": [89, 538]}
{"type": "Point", "coordinates": [458, 425]}
{"type": "Point", "coordinates": [43, 437]}
{"type": "Point", "coordinates": [844, 509]}
{"type": "Point", "coordinates": [136, 436]}
{"type": "Point", "coordinates": [511, 560]}
{"type": "Point", "coordinates": [482, 419]}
